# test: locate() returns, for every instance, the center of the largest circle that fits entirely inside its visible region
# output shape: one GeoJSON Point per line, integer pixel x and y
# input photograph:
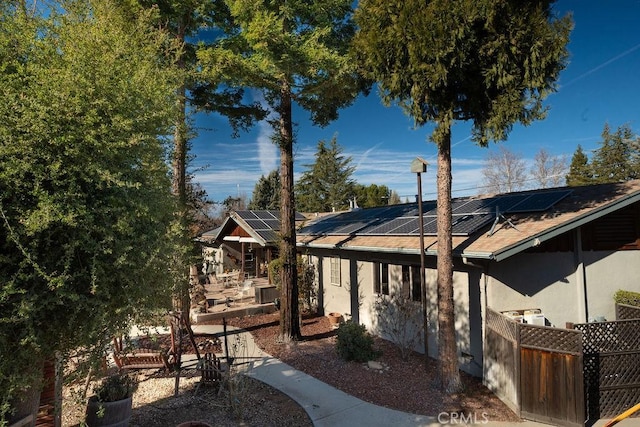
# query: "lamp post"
{"type": "Point", "coordinates": [419, 166]}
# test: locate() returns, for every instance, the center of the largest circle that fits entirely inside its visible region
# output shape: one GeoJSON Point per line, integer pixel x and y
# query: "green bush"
{"type": "Point", "coordinates": [355, 343]}
{"type": "Point", "coordinates": [627, 297]}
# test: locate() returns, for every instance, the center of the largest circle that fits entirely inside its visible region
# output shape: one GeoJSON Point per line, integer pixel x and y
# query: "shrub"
{"type": "Point", "coordinates": [400, 319]}
{"type": "Point", "coordinates": [116, 387]}
{"type": "Point", "coordinates": [355, 343]}
{"type": "Point", "coordinates": [627, 297]}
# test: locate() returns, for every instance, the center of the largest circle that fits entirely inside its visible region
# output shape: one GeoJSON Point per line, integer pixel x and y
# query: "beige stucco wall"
{"type": "Point", "coordinates": [553, 283]}
{"type": "Point", "coordinates": [338, 299]}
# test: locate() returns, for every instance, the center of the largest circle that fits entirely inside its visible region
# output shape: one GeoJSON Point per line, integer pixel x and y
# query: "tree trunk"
{"type": "Point", "coordinates": [289, 321]}
{"type": "Point", "coordinates": [179, 171]}
{"type": "Point", "coordinates": [447, 350]}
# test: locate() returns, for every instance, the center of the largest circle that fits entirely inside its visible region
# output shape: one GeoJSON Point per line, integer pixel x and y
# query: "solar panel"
{"type": "Point", "coordinates": [540, 202]}
{"type": "Point", "coordinates": [388, 226]}
{"type": "Point", "coordinates": [268, 235]}
{"type": "Point", "coordinates": [469, 224]}
{"type": "Point", "coordinates": [245, 214]}
{"type": "Point", "coordinates": [264, 214]}
{"type": "Point", "coordinates": [256, 224]}
{"type": "Point", "coordinates": [273, 224]}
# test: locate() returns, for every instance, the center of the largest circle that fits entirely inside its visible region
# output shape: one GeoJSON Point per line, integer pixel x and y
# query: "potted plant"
{"type": "Point", "coordinates": [111, 405]}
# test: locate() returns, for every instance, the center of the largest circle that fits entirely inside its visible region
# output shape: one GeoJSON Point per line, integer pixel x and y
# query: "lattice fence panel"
{"type": "Point", "coordinates": [626, 312]}
{"type": "Point", "coordinates": [611, 366]}
{"type": "Point", "coordinates": [504, 326]}
{"type": "Point", "coordinates": [551, 339]}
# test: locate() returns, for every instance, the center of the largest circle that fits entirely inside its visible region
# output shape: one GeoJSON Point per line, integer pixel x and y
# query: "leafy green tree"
{"type": "Point", "coordinates": [86, 213]}
{"type": "Point", "coordinates": [369, 196]}
{"type": "Point", "coordinates": [326, 185]}
{"type": "Point", "coordinates": [614, 159]}
{"type": "Point", "coordinates": [580, 171]}
{"type": "Point", "coordinates": [488, 62]}
{"type": "Point", "coordinates": [294, 51]}
{"type": "Point", "coordinates": [266, 194]}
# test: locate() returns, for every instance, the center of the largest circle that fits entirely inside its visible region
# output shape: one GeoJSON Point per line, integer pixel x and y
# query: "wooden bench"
{"type": "Point", "coordinates": [151, 360]}
{"type": "Point", "coordinates": [140, 359]}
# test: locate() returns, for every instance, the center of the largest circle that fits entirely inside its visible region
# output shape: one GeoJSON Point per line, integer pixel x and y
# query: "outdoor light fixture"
{"type": "Point", "coordinates": [419, 166]}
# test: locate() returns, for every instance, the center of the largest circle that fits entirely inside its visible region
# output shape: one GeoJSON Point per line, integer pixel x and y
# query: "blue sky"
{"type": "Point", "coordinates": [600, 85]}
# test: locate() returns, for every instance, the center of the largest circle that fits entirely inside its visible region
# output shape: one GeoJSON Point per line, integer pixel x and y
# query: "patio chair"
{"type": "Point", "coordinates": [211, 371]}
{"type": "Point", "coordinates": [245, 289]}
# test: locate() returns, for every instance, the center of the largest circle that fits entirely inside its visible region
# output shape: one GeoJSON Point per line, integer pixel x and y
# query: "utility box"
{"type": "Point", "coordinates": [266, 294]}
{"type": "Point", "coordinates": [534, 317]}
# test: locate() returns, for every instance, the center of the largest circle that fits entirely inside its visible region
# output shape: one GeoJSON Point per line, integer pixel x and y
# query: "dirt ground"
{"type": "Point", "coordinates": [409, 386]}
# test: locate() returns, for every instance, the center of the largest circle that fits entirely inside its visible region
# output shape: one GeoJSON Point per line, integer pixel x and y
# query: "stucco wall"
{"type": "Point", "coordinates": [552, 283]}
{"type": "Point", "coordinates": [358, 275]}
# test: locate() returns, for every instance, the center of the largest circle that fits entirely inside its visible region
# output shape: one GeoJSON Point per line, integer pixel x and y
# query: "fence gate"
{"type": "Point", "coordinates": [535, 370]}
{"type": "Point", "coordinates": [611, 366]}
{"type": "Point", "coordinates": [551, 385]}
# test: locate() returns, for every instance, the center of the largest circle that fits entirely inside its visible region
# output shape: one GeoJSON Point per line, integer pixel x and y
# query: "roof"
{"type": "Point", "coordinates": [485, 227]}
{"type": "Point", "coordinates": [255, 226]}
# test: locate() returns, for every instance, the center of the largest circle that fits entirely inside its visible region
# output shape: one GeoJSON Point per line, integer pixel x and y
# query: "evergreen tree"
{"type": "Point", "coordinates": [327, 185]}
{"type": "Point", "coordinates": [369, 196]}
{"type": "Point", "coordinates": [580, 172]}
{"type": "Point", "coordinates": [266, 194]}
{"type": "Point", "coordinates": [294, 51]}
{"type": "Point", "coordinates": [614, 159]}
{"type": "Point", "coordinates": [442, 61]}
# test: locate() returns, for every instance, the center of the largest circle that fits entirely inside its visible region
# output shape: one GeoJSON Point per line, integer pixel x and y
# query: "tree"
{"type": "Point", "coordinates": [86, 213]}
{"type": "Point", "coordinates": [614, 159]}
{"type": "Point", "coordinates": [394, 198]}
{"type": "Point", "coordinates": [580, 172]}
{"type": "Point", "coordinates": [184, 20]}
{"type": "Point", "coordinates": [294, 51]}
{"type": "Point", "coordinates": [326, 185]}
{"type": "Point", "coordinates": [369, 196]}
{"type": "Point", "coordinates": [504, 172]}
{"type": "Point", "coordinates": [548, 171]}
{"type": "Point", "coordinates": [266, 194]}
{"type": "Point", "coordinates": [442, 61]}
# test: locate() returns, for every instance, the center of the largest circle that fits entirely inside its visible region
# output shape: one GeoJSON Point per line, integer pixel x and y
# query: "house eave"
{"type": "Point", "coordinates": [578, 221]}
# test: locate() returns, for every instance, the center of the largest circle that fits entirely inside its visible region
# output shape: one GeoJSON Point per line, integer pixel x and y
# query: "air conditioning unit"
{"type": "Point", "coordinates": [266, 294]}
{"type": "Point", "coordinates": [514, 315]}
{"type": "Point", "coordinates": [534, 317]}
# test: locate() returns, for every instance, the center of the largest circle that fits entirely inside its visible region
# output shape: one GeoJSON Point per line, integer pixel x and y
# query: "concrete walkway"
{"type": "Point", "coordinates": [330, 407]}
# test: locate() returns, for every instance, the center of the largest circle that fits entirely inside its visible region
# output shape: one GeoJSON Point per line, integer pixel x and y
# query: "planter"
{"type": "Point", "coordinates": [335, 319]}
{"type": "Point", "coordinates": [108, 414]}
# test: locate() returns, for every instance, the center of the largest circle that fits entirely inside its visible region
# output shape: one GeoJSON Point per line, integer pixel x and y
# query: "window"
{"type": "Point", "coordinates": [335, 271]}
{"type": "Point", "coordinates": [416, 289]}
{"type": "Point", "coordinates": [411, 282]}
{"type": "Point", "coordinates": [381, 279]}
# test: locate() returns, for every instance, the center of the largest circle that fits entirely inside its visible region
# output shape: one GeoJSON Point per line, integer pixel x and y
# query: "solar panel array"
{"type": "Point", "coordinates": [469, 215]}
{"type": "Point", "coordinates": [266, 222]}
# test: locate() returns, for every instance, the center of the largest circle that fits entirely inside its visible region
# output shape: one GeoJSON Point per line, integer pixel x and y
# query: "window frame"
{"type": "Point", "coordinates": [335, 273]}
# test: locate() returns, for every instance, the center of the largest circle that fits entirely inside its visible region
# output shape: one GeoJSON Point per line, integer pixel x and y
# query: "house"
{"type": "Point", "coordinates": [247, 241]}
{"type": "Point", "coordinates": [558, 253]}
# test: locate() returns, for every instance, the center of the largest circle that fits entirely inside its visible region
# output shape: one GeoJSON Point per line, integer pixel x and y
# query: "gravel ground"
{"type": "Point", "coordinates": [409, 386]}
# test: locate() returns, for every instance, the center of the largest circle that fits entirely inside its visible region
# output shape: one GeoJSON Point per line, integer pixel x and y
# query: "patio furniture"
{"type": "Point", "coordinates": [211, 371]}
{"type": "Point", "coordinates": [245, 289]}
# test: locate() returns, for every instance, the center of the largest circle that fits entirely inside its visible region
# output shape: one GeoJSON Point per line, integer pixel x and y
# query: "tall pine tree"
{"type": "Point", "coordinates": [294, 52]}
{"type": "Point", "coordinates": [326, 186]}
{"type": "Point", "coordinates": [580, 172]}
{"type": "Point", "coordinates": [488, 62]}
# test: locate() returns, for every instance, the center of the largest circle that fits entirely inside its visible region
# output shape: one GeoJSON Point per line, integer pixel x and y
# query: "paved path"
{"type": "Point", "coordinates": [330, 407]}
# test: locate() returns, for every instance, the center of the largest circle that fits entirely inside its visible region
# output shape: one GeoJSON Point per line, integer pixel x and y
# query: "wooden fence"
{"type": "Point", "coordinates": [612, 363]}
{"type": "Point", "coordinates": [535, 370]}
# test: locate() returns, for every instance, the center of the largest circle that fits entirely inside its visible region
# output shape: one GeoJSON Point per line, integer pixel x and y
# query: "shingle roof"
{"type": "Point", "coordinates": [578, 206]}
